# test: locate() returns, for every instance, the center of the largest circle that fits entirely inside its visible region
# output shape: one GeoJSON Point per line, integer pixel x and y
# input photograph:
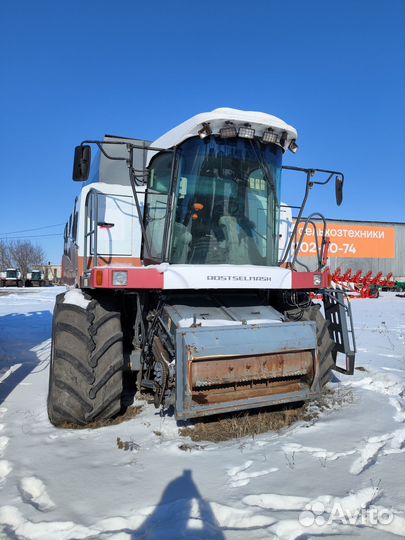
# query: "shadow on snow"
{"type": "Point", "coordinates": [19, 333]}
{"type": "Point", "coordinates": [182, 512]}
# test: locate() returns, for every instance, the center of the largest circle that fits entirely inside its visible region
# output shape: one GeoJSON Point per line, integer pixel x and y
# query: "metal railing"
{"type": "Point", "coordinates": [90, 229]}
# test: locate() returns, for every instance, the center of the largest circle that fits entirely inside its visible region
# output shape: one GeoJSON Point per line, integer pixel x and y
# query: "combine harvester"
{"type": "Point", "coordinates": [11, 278]}
{"type": "Point", "coordinates": [36, 278]}
{"type": "Point", "coordinates": [185, 270]}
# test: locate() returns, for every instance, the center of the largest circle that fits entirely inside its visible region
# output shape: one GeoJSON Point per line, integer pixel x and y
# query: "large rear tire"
{"type": "Point", "coordinates": [86, 368]}
{"type": "Point", "coordinates": [326, 345]}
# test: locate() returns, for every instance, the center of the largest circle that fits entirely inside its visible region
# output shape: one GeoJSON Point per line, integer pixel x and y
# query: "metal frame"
{"type": "Point", "coordinates": [319, 248]}
{"type": "Point", "coordinates": [339, 315]}
{"type": "Point", "coordinates": [309, 185]}
{"type": "Point", "coordinates": [134, 179]}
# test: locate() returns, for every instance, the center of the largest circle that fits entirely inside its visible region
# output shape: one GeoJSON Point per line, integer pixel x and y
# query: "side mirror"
{"type": "Point", "coordinates": [81, 163]}
{"type": "Point", "coordinates": [339, 190]}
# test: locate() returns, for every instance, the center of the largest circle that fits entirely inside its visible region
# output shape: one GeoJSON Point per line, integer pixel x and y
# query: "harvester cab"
{"type": "Point", "coordinates": [187, 265]}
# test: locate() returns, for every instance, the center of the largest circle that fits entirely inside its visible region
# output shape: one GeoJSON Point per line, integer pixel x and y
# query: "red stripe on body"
{"type": "Point", "coordinates": [305, 280]}
{"type": "Point", "coordinates": [138, 278]}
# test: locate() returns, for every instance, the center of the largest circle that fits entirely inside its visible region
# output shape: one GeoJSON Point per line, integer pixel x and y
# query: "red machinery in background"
{"type": "Point", "coordinates": [361, 286]}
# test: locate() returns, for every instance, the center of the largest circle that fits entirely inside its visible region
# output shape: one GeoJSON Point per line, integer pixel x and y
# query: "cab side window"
{"type": "Point", "coordinates": [156, 203]}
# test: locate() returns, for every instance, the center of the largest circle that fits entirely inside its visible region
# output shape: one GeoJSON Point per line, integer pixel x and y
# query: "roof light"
{"type": "Point", "coordinates": [205, 131]}
{"type": "Point", "coordinates": [246, 132]}
{"type": "Point", "coordinates": [283, 138]}
{"type": "Point", "coordinates": [293, 146]}
{"type": "Point", "coordinates": [270, 136]}
{"type": "Point", "coordinates": [228, 131]}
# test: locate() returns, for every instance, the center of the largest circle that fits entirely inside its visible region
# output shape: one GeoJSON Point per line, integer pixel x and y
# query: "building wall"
{"type": "Point", "coordinates": [52, 272]}
{"type": "Point", "coordinates": [361, 245]}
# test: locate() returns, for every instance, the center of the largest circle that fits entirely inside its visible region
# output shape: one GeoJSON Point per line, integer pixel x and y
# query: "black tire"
{"type": "Point", "coordinates": [86, 368]}
{"type": "Point", "coordinates": [326, 345]}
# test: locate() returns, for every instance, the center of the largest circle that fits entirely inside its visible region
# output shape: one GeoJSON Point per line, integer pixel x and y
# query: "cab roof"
{"type": "Point", "coordinates": [216, 119]}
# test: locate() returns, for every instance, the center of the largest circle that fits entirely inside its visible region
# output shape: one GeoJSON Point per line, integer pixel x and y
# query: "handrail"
{"type": "Point", "coordinates": [92, 200]}
{"type": "Point", "coordinates": [319, 248]}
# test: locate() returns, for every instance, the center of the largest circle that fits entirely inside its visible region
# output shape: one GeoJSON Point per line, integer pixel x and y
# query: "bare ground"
{"type": "Point", "coordinates": [130, 413]}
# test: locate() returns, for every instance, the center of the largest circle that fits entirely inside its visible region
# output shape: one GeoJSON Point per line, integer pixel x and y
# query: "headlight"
{"type": "Point", "coordinates": [317, 279]}
{"type": "Point", "coordinates": [246, 132]}
{"type": "Point", "coordinates": [228, 132]}
{"type": "Point", "coordinates": [293, 146]}
{"type": "Point", "coordinates": [269, 136]}
{"type": "Point", "coordinates": [120, 278]}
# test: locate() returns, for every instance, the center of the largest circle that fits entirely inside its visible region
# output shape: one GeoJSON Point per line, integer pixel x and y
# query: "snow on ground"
{"type": "Point", "coordinates": [341, 476]}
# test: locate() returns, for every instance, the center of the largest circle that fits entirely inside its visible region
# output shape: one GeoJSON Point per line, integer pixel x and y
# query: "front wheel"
{"type": "Point", "coordinates": [326, 345]}
{"type": "Point", "coordinates": [86, 368]}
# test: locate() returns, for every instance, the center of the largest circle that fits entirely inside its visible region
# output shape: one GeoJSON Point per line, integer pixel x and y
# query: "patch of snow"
{"type": "Point", "coordinates": [186, 323]}
{"type": "Point", "coordinates": [5, 469]}
{"type": "Point", "coordinates": [47, 530]}
{"type": "Point", "coordinates": [33, 492]}
{"type": "Point", "coordinates": [385, 383]}
{"type": "Point", "coordinates": [3, 443]}
{"type": "Point", "coordinates": [239, 476]}
{"type": "Point", "coordinates": [275, 501]}
{"type": "Point", "coordinates": [76, 298]}
{"type": "Point", "coordinates": [398, 404]}
{"type": "Point", "coordinates": [320, 453]}
{"type": "Point", "coordinates": [9, 371]}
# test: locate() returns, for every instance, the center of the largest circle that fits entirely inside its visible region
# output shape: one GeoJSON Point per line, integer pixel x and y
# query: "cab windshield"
{"type": "Point", "coordinates": [226, 203]}
{"type": "Point", "coordinates": [226, 211]}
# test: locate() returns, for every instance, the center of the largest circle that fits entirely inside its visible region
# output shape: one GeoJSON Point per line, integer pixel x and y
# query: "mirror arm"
{"type": "Point", "coordinates": [127, 144]}
{"type": "Point", "coordinates": [313, 171]}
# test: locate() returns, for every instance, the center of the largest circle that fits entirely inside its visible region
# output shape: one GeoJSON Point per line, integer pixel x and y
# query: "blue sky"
{"type": "Point", "coordinates": [73, 70]}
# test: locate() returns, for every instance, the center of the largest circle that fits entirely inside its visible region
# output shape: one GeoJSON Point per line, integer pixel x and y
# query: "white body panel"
{"type": "Point", "coordinates": [216, 119]}
{"type": "Point", "coordinates": [116, 206]}
{"type": "Point", "coordinates": [285, 231]}
{"type": "Point", "coordinates": [225, 276]}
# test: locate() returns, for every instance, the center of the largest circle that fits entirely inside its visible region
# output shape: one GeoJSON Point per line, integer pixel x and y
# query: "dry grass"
{"type": "Point", "coordinates": [130, 413]}
{"type": "Point", "coordinates": [247, 423]}
{"type": "Point", "coordinates": [256, 421]}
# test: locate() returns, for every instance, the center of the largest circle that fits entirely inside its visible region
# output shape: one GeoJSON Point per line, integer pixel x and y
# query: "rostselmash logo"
{"type": "Point", "coordinates": [238, 278]}
{"type": "Point", "coordinates": [320, 515]}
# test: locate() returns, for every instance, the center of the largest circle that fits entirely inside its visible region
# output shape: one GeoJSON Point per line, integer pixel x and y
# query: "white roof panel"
{"type": "Point", "coordinates": [258, 120]}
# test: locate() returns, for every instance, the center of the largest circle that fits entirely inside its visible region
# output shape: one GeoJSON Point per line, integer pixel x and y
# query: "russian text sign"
{"type": "Point", "coordinates": [351, 241]}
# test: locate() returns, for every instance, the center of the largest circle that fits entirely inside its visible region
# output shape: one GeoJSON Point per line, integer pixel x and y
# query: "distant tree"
{"type": "Point", "coordinates": [5, 258]}
{"type": "Point", "coordinates": [26, 256]}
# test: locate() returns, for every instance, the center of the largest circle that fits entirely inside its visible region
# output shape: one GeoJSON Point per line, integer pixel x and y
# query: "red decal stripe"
{"type": "Point", "coordinates": [138, 278]}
